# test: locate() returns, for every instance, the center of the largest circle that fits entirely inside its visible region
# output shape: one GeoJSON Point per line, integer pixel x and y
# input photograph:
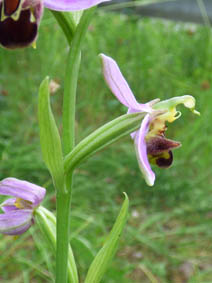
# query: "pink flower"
{"type": "Point", "coordinates": [18, 210]}
{"type": "Point", "coordinates": [19, 19]}
{"type": "Point", "coordinates": [150, 143]}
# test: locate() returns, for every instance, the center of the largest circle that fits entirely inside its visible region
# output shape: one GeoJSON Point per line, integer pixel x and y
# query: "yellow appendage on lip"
{"type": "Point", "coordinates": [21, 203]}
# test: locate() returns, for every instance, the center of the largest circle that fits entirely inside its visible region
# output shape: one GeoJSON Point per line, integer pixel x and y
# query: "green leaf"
{"type": "Point", "coordinates": [105, 255]}
{"type": "Point", "coordinates": [47, 223]}
{"type": "Point", "coordinates": [49, 137]}
{"type": "Point", "coordinates": [102, 137]}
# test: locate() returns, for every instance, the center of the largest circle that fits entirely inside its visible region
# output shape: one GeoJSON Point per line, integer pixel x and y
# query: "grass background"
{"type": "Point", "coordinates": [168, 234]}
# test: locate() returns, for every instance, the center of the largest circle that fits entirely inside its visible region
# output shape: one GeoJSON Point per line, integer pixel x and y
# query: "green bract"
{"type": "Point", "coordinates": [49, 137]}
{"type": "Point", "coordinates": [102, 137]}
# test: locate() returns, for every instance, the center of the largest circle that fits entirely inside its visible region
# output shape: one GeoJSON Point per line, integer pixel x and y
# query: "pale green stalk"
{"type": "Point", "coordinates": [63, 198]}
{"type": "Point", "coordinates": [47, 223]}
{"type": "Point", "coordinates": [66, 23]}
{"type": "Point", "coordinates": [63, 205]}
{"type": "Point", "coordinates": [71, 77]}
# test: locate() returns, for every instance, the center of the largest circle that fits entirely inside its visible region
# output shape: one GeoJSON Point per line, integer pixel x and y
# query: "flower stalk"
{"type": "Point", "coordinates": [63, 205]}
{"type": "Point", "coordinates": [71, 77]}
{"type": "Point", "coordinates": [66, 23]}
{"type": "Point", "coordinates": [63, 198]}
{"type": "Point", "coordinates": [47, 223]}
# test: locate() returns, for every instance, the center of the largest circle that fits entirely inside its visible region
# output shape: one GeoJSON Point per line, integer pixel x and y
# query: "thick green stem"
{"type": "Point", "coordinates": [69, 100]}
{"type": "Point", "coordinates": [47, 224]}
{"type": "Point", "coordinates": [71, 77]}
{"type": "Point", "coordinates": [63, 225]}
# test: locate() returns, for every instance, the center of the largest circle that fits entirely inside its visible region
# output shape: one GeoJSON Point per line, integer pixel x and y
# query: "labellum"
{"type": "Point", "coordinates": [19, 21]}
{"type": "Point", "coordinates": [159, 151]}
{"type": "Point", "coordinates": [10, 7]}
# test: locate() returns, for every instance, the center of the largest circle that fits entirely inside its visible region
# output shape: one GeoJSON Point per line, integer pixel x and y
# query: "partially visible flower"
{"type": "Point", "coordinates": [18, 210]}
{"type": "Point", "coordinates": [19, 19]}
{"type": "Point", "coordinates": [71, 5]}
{"type": "Point", "coordinates": [150, 142]}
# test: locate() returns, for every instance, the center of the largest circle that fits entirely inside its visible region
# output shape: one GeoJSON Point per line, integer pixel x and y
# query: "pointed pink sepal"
{"type": "Point", "coordinates": [71, 5]}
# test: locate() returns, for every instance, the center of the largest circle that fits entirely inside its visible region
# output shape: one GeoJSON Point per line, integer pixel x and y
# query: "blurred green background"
{"type": "Point", "coordinates": [168, 234]}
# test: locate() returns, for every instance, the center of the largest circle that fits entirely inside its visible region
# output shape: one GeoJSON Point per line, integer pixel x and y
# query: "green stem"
{"type": "Point", "coordinates": [63, 228]}
{"type": "Point", "coordinates": [69, 100]}
{"type": "Point", "coordinates": [47, 224]}
{"type": "Point", "coordinates": [67, 24]}
{"type": "Point", "coordinates": [71, 77]}
{"type": "Point", "coordinates": [64, 197]}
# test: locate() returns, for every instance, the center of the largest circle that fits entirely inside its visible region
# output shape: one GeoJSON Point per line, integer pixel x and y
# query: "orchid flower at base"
{"type": "Point", "coordinates": [18, 211]}
{"type": "Point", "coordinates": [20, 19]}
{"type": "Point", "coordinates": [151, 145]}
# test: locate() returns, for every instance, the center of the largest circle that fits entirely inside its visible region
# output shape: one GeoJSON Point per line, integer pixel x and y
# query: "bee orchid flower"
{"type": "Point", "coordinates": [19, 19]}
{"type": "Point", "coordinates": [18, 210]}
{"type": "Point", "coordinates": [151, 145]}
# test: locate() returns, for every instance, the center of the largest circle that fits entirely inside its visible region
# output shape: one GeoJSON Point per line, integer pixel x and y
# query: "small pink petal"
{"type": "Point", "coordinates": [141, 151]}
{"type": "Point", "coordinates": [16, 222]}
{"type": "Point", "coordinates": [131, 111]}
{"type": "Point", "coordinates": [9, 205]}
{"type": "Point", "coordinates": [22, 189]}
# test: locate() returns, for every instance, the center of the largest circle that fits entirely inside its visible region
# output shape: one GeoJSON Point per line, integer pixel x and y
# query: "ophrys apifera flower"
{"type": "Point", "coordinates": [151, 145]}
{"type": "Point", "coordinates": [18, 210]}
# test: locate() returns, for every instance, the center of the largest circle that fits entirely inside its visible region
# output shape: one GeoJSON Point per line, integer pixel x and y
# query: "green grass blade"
{"type": "Point", "coordinates": [105, 255]}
